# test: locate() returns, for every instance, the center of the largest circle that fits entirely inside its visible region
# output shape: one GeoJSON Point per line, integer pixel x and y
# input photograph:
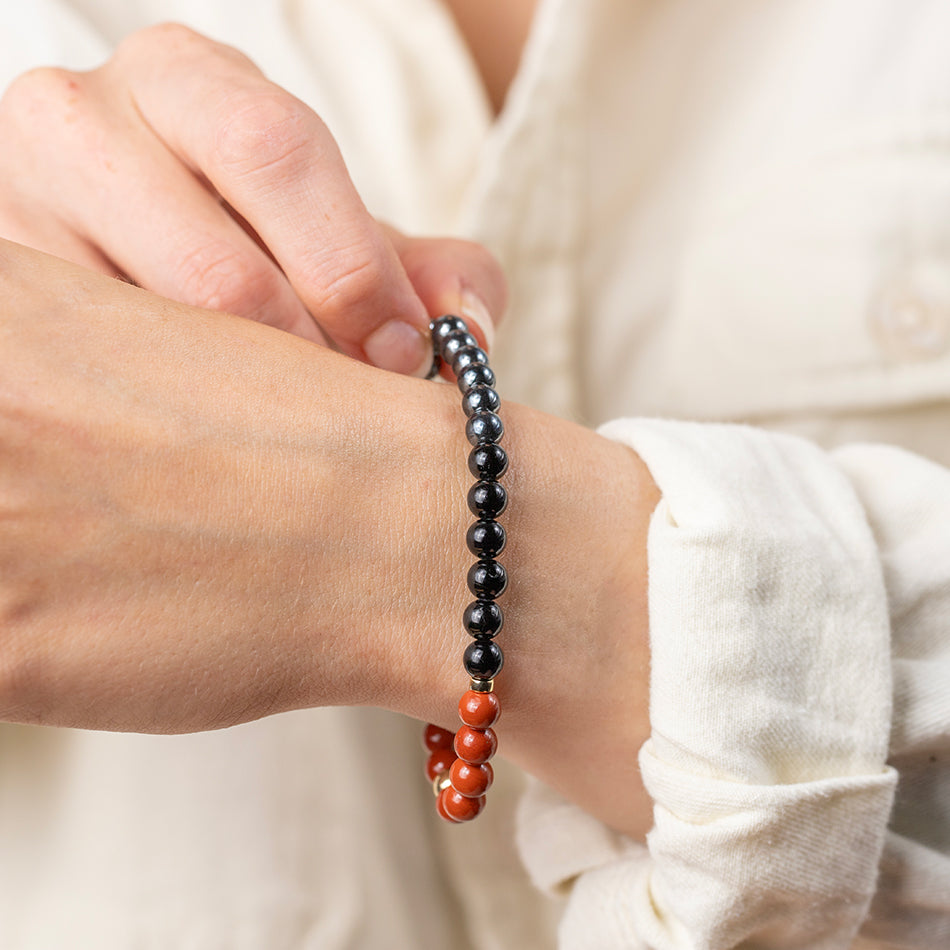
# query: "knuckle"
{"type": "Point", "coordinates": [269, 132]}
{"type": "Point", "coordinates": [221, 277]}
{"type": "Point", "coordinates": [41, 91]}
{"type": "Point", "coordinates": [350, 279]}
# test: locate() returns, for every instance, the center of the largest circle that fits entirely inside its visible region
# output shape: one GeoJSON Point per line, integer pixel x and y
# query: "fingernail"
{"type": "Point", "coordinates": [399, 347]}
{"type": "Point", "coordinates": [471, 309]}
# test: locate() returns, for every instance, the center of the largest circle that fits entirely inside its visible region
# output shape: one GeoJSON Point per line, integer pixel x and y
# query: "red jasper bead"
{"type": "Point", "coordinates": [460, 807]}
{"type": "Point", "coordinates": [440, 806]}
{"type": "Point", "coordinates": [475, 746]}
{"type": "Point", "coordinates": [472, 781]}
{"type": "Point", "coordinates": [479, 710]}
{"type": "Point", "coordinates": [435, 737]}
{"type": "Point", "coordinates": [440, 761]}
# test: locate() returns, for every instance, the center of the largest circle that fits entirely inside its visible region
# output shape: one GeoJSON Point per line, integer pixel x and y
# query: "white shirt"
{"type": "Point", "coordinates": [716, 211]}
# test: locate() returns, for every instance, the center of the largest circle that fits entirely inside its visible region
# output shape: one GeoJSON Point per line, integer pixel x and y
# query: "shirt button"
{"type": "Point", "coordinates": [910, 317]}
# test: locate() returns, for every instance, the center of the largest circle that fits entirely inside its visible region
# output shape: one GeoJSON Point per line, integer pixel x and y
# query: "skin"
{"type": "Point", "coordinates": [496, 31]}
{"type": "Point", "coordinates": [180, 166]}
{"type": "Point", "coordinates": [205, 520]}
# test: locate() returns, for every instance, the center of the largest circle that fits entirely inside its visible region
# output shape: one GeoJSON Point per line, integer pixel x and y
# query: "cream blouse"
{"type": "Point", "coordinates": [711, 212]}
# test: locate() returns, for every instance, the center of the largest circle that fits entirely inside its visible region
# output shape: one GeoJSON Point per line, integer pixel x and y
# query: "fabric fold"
{"type": "Point", "coordinates": [770, 705]}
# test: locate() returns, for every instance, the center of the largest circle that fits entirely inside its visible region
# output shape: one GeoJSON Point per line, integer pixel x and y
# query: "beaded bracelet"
{"type": "Point", "coordinates": [458, 764]}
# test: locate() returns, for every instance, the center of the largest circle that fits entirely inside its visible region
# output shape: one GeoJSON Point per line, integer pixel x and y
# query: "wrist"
{"type": "Point", "coordinates": [577, 693]}
{"type": "Point", "coordinates": [574, 689]}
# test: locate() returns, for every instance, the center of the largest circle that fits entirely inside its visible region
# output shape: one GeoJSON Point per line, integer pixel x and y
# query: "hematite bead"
{"type": "Point", "coordinates": [480, 399]}
{"type": "Point", "coordinates": [487, 499]}
{"type": "Point", "coordinates": [454, 342]}
{"type": "Point", "coordinates": [488, 461]}
{"type": "Point", "coordinates": [441, 327]}
{"type": "Point", "coordinates": [483, 618]}
{"type": "Point", "coordinates": [468, 356]}
{"type": "Point", "coordinates": [485, 539]}
{"type": "Point", "coordinates": [476, 375]}
{"type": "Point", "coordinates": [487, 580]}
{"type": "Point", "coordinates": [484, 427]}
{"type": "Point", "coordinates": [483, 659]}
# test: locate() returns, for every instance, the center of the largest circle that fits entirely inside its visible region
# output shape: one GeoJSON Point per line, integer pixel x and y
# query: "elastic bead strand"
{"type": "Point", "coordinates": [458, 764]}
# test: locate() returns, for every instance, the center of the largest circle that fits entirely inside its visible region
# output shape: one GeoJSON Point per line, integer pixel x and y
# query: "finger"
{"type": "Point", "coordinates": [187, 246]}
{"type": "Point", "coordinates": [151, 221]}
{"type": "Point", "coordinates": [274, 161]}
{"type": "Point", "coordinates": [30, 213]}
{"type": "Point", "coordinates": [457, 277]}
{"type": "Point", "coordinates": [53, 237]}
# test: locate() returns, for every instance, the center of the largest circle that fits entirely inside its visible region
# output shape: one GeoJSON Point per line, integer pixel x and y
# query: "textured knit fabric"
{"type": "Point", "coordinates": [720, 211]}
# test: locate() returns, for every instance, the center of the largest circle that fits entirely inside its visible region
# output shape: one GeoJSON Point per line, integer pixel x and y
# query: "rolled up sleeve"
{"type": "Point", "coordinates": [770, 710]}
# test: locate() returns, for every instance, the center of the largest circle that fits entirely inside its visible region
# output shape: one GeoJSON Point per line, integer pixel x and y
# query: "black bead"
{"type": "Point", "coordinates": [441, 327]}
{"type": "Point", "coordinates": [455, 341]}
{"type": "Point", "coordinates": [483, 659]}
{"type": "Point", "coordinates": [488, 461]}
{"type": "Point", "coordinates": [485, 539]}
{"type": "Point", "coordinates": [487, 499]}
{"type": "Point", "coordinates": [487, 580]}
{"type": "Point", "coordinates": [483, 618]}
{"type": "Point", "coordinates": [468, 356]}
{"type": "Point", "coordinates": [480, 399]}
{"type": "Point", "coordinates": [484, 427]}
{"type": "Point", "coordinates": [478, 374]}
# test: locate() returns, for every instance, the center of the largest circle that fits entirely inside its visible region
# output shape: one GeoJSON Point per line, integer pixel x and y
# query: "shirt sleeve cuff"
{"type": "Point", "coordinates": [770, 709]}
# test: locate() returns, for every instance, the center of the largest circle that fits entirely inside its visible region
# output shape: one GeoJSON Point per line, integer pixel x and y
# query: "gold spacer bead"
{"type": "Point", "coordinates": [482, 686]}
{"type": "Point", "coordinates": [440, 782]}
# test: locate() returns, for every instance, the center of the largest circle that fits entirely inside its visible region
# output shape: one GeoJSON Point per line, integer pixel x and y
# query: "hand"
{"type": "Point", "coordinates": [179, 166]}
{"type": "Point", "coordinates": [204, 521]}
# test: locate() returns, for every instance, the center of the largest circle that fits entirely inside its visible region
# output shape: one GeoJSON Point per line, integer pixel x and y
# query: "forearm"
{"type": "Point", "coordinates": [209, 520]}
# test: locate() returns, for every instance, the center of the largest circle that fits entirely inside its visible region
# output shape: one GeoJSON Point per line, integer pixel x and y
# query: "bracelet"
{"type": "Point", "coordinates": [458, 764]}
